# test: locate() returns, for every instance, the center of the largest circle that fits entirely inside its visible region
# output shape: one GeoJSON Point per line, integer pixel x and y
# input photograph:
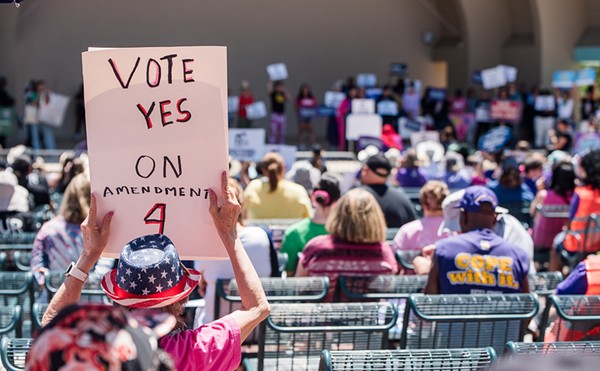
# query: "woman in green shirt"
{"type": "Point", "coordinates": [297, 235]}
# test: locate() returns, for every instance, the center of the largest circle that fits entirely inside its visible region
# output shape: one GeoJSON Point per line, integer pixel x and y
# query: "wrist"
{"type": "Point", "coordinates": [85, 263]}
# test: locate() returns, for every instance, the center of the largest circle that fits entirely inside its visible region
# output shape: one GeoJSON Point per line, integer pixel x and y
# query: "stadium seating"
{"type": "Point", "coordinates": [400, 360]}
{"type": "Point", "coordinates": [577, 318]}
{"type": "Point", "coordinates": [14, 352]}
{"type": "Point", "coordinates": [466, 321]}
{"type": "Point", "coordinates": [294, 335]}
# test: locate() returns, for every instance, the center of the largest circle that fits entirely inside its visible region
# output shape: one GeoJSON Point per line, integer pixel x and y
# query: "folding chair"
{"type": "Point", "coordinates": [405, 258]}
{"type": "Point", "coordinates": [10, 320]}
{"type": "Point", "coordinates": [466, 321]}
{"type": "Point", "coordinates": [379, 287]}
{"type": "Point", "coordinates": [22, 260]}
{"type": "Point", "coordinates": [38, 313]}
{"type": "Point", "coordinates": [294, 335]}
{"type": "Point", "coordinates": [14, 352]}
{"type": "Point", "coordinates": [544, 283]}
{"type": "Point", "coordinates": [577, 318]}
{"type": "Point", "coordinates": [16, 289]}
{"type": "Point", "coordinates": [400, 360]}
{"type": "Point", "coordinates": [575, 348]}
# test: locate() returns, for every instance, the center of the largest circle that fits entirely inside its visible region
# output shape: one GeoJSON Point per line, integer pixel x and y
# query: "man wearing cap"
{"type": "Point", "coordinates": [478, 260]}
{"type": "Point", "coordinates": [397, 208]}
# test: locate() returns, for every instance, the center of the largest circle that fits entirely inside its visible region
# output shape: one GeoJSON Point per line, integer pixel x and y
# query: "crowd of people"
{"type": "Point", "coordinates": [480, 222]}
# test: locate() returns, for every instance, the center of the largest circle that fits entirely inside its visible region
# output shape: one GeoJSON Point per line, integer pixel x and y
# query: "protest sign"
{"type": "Point", "coordinates": [156, 123]}
{"type": "Point", "coordinates": [493, 77]}
{"type": "Point", "coordinates": [398, 69]}
{"type": "Point", "coordinates": [505, 110]}
{"type": "Point", "coordinates": [482, 113]}
{"type": "Point", "coordinates": [366, 80]}
{"type": "Point", "coordinates": [585, 142]}
{"type": "Point", "coordinates": [53, 112]}
{"type": "Point", "coordinates": [437, 94]}
{"type": "Point", "coordinates": [463, 123]}
{"type": "Point", "coordinates": [510, 72]}
{"type": "Point", "coordinates": [545, 103]}
{"type": "Point", "coordinates": [334, 98]}
{"type": "Point", "coordinates": [495, 139]}
{"type": "Point", "coordinates": [324, 111]}
{"type": "Point", "coordinates": [387, 108]}
{"type": "Point", "coordinates": [563, 79]}
{"type": "Point", "coordinates": [277, 71]}
{"type": "Point", "coordinates": [373, 93]}
{"type": "Point", "coordinates": [233, 104]}
{"type": "Point", "coordinates": [246, 144]}
{"type": "Point", "coordinates": [363, 106]}
{"type": "Point", "coordinates": [287, 152]}
{"type": "Point", "coordinates": [424, 136]}
{"type": "Point", "coordinates": [7, 120]}
{"type": "Point", "coordinates": [358, 125]}
{"type": "Point", "coordinates": [408, 125]}
{"type": "Point", "coordinates": [476, 78]}
{"type": "Point", "coordinates": [256, 110]}
{"type": "Point", "coordinates": [586, 77]}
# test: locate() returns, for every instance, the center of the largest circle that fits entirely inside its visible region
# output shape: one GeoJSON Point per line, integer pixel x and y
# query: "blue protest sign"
{"type": "Point", "coordinates": [325, 111]}
{"type": "Point", "coordinates": [398, 69]}
{"type": "Point", "coordinates": [476, 78]}
{"type": "Point", "coordinates": [365, 141]}
{"type": "Point", "coordinates": [585, 142]}
{"type": "Point", "coordinates": [437, 94]}
{"type": "Point", "coordinates": [307, 113]}
{"type": "Point", "coordinates": [373, 93]}
{"type": "Point", "coordinates": [563, 79]}
{"type": "Point", "coordinates": [586, 77]}
{"type": "Point", "coordinates": [494, 140]}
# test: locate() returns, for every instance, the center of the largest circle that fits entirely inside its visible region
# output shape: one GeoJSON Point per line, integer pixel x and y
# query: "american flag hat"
{"type": "Point", "coordinates": [149, 274]}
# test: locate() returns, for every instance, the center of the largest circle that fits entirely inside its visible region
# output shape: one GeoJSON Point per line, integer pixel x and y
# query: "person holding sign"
{"type": "Point", "coordinates": [279, 96]}
{"type": "Point", "coordinates": [590, 103]}
{"type": "Point", "coordinates": [306, 105]}
{"type": "Point", "coordinates": [215, 346]}
{"type": "Point", "coordinates": [246, 98]}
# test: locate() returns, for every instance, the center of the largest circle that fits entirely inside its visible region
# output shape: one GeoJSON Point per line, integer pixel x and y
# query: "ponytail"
{"type": "Point", "coordinates": [273, 172]}
{"type": "Point", "coordinates": [273, 167]}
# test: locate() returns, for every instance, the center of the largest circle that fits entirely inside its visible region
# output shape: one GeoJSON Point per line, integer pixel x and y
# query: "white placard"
{"type": "Point", "coordinates": [407, 127]}
{"type": "Point", "coordinates": [53, 112]}
{"type": "Point", "coordinates": [493, 77]}
{"type": "Point", "coordinates": [151, 115]}
{"type": "Point", "coordinates": [363, 125]}
{"type": "Point", "coordinates": [545, 103]}
{"type": "Point", "coordinates": [286, 151]}
{"type": "Point", "coordinates": [256, 110]}
{"type": "Point", "coordinates": [246, 144]}
{"type": "Point", "coordinates": [387, 108]}
{"type": "Point", "coordinates": [363, 106]}
{"type": "Point", "coordinates": [334, 98]}
{"type": "Point", "coordinates": [277, 71]}
{"type": "Point", "coordinates": [510, 72]}
{"type": "Point", "coordinates": [585, 77]}
{"type": "Point", "coordinates": [233, 104]}
{"type": "Point", "coordinates": [366, 80]}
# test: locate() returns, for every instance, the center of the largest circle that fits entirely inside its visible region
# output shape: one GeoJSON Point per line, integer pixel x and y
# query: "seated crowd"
{"type": "Point", "coordinates": [480, 238]}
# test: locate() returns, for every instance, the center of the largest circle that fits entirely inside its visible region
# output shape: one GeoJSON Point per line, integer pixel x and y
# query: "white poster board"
{"type": "Point", "coordinates": [585, 77]}
{"type": "Point", "coordinates": [387, 108]}
{"type": "Point", "coordinates": [277, 71]}
{"type": "Point", "coordinates": [286, 151]}
{"type": "Point", "coordinates": [256, 110]}
{"type": "Point", "coordinates": [493, 77]}
{"type": "Point", "coordinates": [246, 144]}
{"type": "Point", "coordinates": [545, 103]}
{"type": "Point", "coordinates": [363, 106]}
{"type": "Point", "coordinates": [362, 125]}
{"type": "Point", "coordinates": [366, 80]}
{"type": "Point", "coordinates": [53, 112]}
{"type": "Point", "coordinates": [156, 123]}
{"type": "Point", "coordinates": [510, 73]}
{"type": "Point", "coordinates": [233, 104]}
{"type": "Point", "coordinates": [334, 98]}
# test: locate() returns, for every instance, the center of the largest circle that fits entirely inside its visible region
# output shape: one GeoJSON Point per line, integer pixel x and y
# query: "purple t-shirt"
{"type": "Point", "coordinates": [214, 346]}
{"type": "Point", "coordinates": [576, 283]}
{"type": "Point", "coordinates": [480, 262]}
{"type": "Point", "coordinates": [410, 178]}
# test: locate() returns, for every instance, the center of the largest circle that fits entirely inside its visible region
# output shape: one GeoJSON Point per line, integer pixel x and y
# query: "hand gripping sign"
{"type": "Point", "coordinates": [157, 135]}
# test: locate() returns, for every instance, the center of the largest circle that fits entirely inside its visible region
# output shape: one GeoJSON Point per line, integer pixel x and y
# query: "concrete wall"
{"type": "Point", "coordinates": [593, 13]}
{"type": "Point", "coordinates": [321, 41]}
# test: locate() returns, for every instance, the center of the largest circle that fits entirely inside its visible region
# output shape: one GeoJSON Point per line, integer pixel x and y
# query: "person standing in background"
{"type": "Point", "coordinates": [79, 114]}
{"type": "Point", "coordinates": [245, 100]}
{"type": "Point", "coordinates": [41, 96]}
{"type": "Point", "coordinates": [279, 97]}
{"type": "Point", "coordinates": [590, 103]}
{"type": "Point", "coordinates": [305, 108]}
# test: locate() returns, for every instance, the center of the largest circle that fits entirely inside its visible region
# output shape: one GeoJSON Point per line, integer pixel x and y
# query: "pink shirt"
{"type": "Point", "coordinates": [215, 346]}
{"type": "Point", "coordinates": [419, 233]}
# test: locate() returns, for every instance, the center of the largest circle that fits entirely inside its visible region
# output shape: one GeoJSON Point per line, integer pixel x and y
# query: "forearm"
{"type": "Point", "coordinates": [70, 291]}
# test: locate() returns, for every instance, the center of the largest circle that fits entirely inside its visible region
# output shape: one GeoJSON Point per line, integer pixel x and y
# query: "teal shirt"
{"type": "Point", "coordinates": [296, 237]}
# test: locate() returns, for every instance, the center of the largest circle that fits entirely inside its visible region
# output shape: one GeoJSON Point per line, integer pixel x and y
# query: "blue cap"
{"type": "Point", "coordinates": [475, 196]}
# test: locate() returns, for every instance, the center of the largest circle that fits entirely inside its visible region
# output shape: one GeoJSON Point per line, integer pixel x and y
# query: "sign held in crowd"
{"type": "Point", "coordinates": [505, 110]}
{"type": "Point", "coordinates": [277, 71]}
{"type": "Point", "coordinates": [166, 146]}
{"type": "Point", "coordinates": [246, 144]}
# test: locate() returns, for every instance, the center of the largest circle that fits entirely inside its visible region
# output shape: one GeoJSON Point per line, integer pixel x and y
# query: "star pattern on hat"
{"type": "Point", "coordinates": [150, 273]}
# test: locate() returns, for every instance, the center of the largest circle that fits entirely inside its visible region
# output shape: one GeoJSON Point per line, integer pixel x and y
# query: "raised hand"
{"type": "Point", "coordinates": [95, 237]}
{"type": "Point", "coordinates": [225, 217]}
